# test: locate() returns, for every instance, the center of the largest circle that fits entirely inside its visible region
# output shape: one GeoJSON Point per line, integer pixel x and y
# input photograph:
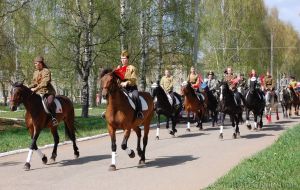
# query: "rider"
{"type": "Point", "coordinates": [284, 82]}
{"type": "Point", "coordinates": [211, 82]}
{"type": "Point", "coordinates": [41, 84]}
{"type": "Point", "coordinates": [195, 79]}
{"type": "Point", "coordinates": [293, 82]}
{"type": "Point", "coordinates": [242, 83]}
{"type": "Point", "coordinates": [254, 76]}
{"type": "Point", "coordinates": [166, 83]}
{"type": "Point", "coordinates": [128, 75]}
{"type": "Point", "coordinates": [232, 81]}
{"type": "Point", "coordinates": [269, 86]}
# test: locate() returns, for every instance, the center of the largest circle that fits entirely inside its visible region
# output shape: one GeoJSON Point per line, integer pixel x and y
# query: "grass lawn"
{"type": "Point", "coordinates": [277, 167]}
{"type": "Point", "coordinates": [16, 136]}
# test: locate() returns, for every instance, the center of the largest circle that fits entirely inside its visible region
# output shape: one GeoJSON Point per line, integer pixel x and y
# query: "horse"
{"type": "Point", "coordinates": [271, 103]}
{"type": "Point", "coordinates": [255, 102]}
{"type": "Point", "coordinates": [36, 119]}
{"type": "Point", "coordinates": [295, 100]}
{"type": "Point", "coordinates": [164, 107]}
{"type": "Point", "coordinates": [286, 102]}
{"type": "Point", "coordinates": [120, 115]}
{"type": "Point", "coordinates": [228, 105]}
{"type": "Point", "coordinates": [212, 104]}
{"type": "Point", "coordinates": [192, 103]}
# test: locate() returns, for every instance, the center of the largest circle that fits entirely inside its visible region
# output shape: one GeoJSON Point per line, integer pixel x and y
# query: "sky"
{"type": "Point", "coordinates": [289, 11]}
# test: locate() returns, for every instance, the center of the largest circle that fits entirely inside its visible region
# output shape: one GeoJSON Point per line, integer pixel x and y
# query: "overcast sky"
{"type": "Point", "coordinates": [289, 11]}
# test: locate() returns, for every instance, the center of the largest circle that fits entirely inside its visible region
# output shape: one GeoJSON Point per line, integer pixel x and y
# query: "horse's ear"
{"type": "Point", "coordinates": [104, 72]}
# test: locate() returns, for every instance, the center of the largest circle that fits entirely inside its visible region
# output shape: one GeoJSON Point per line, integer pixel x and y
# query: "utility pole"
{"type": "Point", "coordinates": [271, 60]}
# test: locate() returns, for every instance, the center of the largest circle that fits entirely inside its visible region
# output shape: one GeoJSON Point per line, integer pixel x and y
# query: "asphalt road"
{"type": "Point", "coordinates": [191, 160]}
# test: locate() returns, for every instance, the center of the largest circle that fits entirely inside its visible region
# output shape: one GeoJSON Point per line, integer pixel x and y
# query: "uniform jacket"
{"type": "Point", "coordinates": [167, 83]}
{"type": "Point", "coordinates": [269, 83]}
{"type": "Point", "coordinates": [42, 82]}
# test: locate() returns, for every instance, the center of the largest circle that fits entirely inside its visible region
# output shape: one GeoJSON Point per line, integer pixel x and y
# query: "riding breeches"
{"type": "Point", "coordinates": [50, 104]}
{"type": "Point", "coordinates": [135, 97]}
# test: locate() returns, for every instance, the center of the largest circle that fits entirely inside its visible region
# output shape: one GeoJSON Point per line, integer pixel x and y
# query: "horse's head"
{"type": "Point", "coordinates": [253, 84]}
{"type": "Point", "coordinates": [17, 95]}
{"type": "Point", "coordinates": [154, 88]}
{"type": "Point", "coordinates": [109, 82]}
{"type": "Point", "coordinates": [186, 88]}
{"type": "Point", "coordinates": [224, 89]}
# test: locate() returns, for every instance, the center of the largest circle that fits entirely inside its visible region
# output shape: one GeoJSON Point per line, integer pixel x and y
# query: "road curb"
{"type": "Point", "coordinates": [66, 142]}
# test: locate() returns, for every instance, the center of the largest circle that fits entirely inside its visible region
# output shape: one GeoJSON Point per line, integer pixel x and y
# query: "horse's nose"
{"type": "Point", "coordinates": [104, 96]}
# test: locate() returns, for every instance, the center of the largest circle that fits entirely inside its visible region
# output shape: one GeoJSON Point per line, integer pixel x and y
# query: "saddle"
{"type": "Point", "coordinates": [143, 101]}
{"type": "Point", "coordinates": [171, 100]}
{"type": "Point", "coordinates": [57, 104]}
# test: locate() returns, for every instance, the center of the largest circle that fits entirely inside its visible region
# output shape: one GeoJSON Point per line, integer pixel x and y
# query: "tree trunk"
{"type": "Point", "coordinates": [123, 27]}
{"type": "Point", "coordinates": [144, 43]}
{"type": "Point", "coordinates": [196, 33]}
{"type": "Point", "coordinates": [160, 39]}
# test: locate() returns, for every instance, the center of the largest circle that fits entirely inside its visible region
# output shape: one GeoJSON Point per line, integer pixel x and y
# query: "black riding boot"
{"type": "Point", "coordinates": [52, 109]}
{"type": "Point", "coordinates": [136, 99]}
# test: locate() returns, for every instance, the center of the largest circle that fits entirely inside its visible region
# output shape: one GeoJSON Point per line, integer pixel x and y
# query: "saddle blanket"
{"type": "Point", "coordinates": [171, 100]}
{"type": "Point", "coordinates": [57, 103]}
{"type": "Point", "coordinates": [143, 101]}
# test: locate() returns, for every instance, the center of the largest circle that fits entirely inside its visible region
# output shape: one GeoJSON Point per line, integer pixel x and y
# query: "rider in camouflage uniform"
{"type": "Point", "coordinates": [212, 83]}
{"type": "Point", "coordinates": [269, 86]}
{"type": "Point", "coordinates": [284, 82]}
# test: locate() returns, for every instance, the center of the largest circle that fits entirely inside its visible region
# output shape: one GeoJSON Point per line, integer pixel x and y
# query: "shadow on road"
{"type": "Point", "coordinates": [284, 122]}
{"type": "Point", "coordinates": [170, 161]}
{"type": "Point", "coordinates": [83, 160]}
{"type": "Point", "coordinates": [10, 163]}
{"type": "Point", "coordinates": [191, 135]}
{"type": "Point", "coordinates": [272, 128]}
{"type": "Point", "coordinates": [253, 136]}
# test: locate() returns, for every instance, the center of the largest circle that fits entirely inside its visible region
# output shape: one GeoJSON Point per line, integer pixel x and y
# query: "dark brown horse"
{"type": "Point", "coordinates": [120, 115]}
{"type": "Point", "coordinates": [295, 99]}
{"type": "Point", "coordinates": [192, 103]}
{"type": "Point", "coordinates": [36, 119]}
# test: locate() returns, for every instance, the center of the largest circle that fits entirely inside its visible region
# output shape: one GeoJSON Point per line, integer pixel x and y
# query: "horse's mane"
{"type": "Point", "coordinates": [105, 71]}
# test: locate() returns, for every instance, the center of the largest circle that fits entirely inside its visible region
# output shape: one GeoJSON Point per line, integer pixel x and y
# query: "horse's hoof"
{"type": "Point", "coordinates": [132, 154]}
{"type": "Point", "coordinates": [221, 136]}
{"type": "Point", "coordinates": [238, 135]}
{"type": "Point", "coordinates": [277, 117]}
{"type": "Point", "coordinates": [45, 159]}
{"type": "Point", "coordinates": [142, 162]}
{"type": "Point", "coordinates": [27, 166]}
{"type": "Point", "coordinates": [157, 138]}
{"type": "Point", "coordinates": [112, 168]}
{"type": "Point", "coordinates": [201, 128]}
{"type": "Point", "coordinates": [172, 133]}
{"type": "Point", "coordinates": [76, 155]}
{"type": "Point", "coordinates": [188, 130]}
{"type": "Point", "coordinates": [234, 135]}
{"type": "Point", "coordinates": [249, 127]}
{"type": "Point", "coordinates": [52, 161]}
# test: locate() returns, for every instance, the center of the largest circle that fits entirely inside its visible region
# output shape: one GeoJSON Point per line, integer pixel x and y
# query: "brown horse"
{"type": "Point", "coordinates": [120, 115]}
{"type": "Point", "coordinates": [193, 104]}
{"type": "Point", "coordinates": [295, 99]}
{"type": "Point", "coordinates": [36, 119]}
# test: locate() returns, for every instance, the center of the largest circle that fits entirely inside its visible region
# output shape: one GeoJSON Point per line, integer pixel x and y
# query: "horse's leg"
{"type": "Point", "coordinates": [139, 135]}
{"type": "Point", "coordinates": [173, 131]}
{"type": "Point", "coordinates": [112, 134]}
{"type": "Point", "coordinates": [255, 121]}
{"type": "Point", "coordinates": [248, 118]}
{"type": "Point", "coordinates": [188, 128]}
{"type": "Point", "coordinates": [32, 147]}
{"type": "Point", "coordinates": [56, 141]}
{"type": "Point", "coordinates": [145, 142]}
{"type": "Point", "coordinates": [158, 127]}
{"type": "Point", "coordinates": [222, 125]}
{"type": "Point", "coordinates": [200, 117]}
{"type": "Point", "coordinates": [70, 131]}
{"type": "Point", "coordinates": [233, 118]}
{"type": "Point", "coordinates": [124, 146]}
{"type": "Point", "coordinates": [237, 129]}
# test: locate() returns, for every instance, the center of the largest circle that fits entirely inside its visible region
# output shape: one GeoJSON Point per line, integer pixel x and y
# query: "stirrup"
{"type": "Point", "coordinates": [54, 121]}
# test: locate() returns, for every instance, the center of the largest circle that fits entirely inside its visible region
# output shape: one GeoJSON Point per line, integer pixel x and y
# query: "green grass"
{"type": "Point", "coordinates": [277, 167]}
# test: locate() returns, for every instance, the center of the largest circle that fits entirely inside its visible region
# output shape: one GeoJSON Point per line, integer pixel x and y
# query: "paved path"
{"type": "Point", "coordinates": [187, 162]}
